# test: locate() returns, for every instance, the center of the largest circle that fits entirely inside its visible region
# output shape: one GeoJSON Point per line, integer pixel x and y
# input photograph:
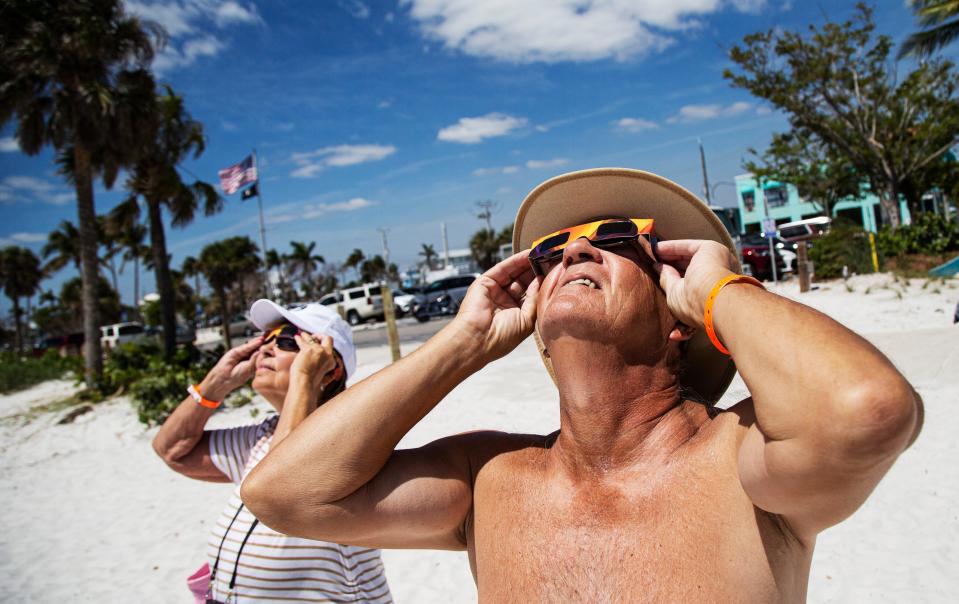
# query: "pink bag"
{"type": "Point", "coordinates": [199, 583]}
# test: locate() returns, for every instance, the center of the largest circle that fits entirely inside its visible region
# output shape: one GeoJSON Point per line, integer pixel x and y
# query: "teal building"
{"type": "Point", "coordinates": [785, 205]}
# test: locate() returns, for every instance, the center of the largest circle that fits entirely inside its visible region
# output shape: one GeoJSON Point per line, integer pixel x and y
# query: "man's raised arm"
{"type": "Point", "coordinates": [336, 477]}
{"type": "Point", "coordinates": [831, 412]}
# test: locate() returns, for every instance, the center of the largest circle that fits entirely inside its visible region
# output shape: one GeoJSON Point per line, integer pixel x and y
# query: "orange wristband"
{"type": "Point", "coordinates": [203, 402]}
{"type": "Point", "coordinates": [708, 312]}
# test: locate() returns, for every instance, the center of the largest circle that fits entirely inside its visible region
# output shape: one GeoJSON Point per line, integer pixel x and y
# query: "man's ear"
{"type": "Point", "coordinates": [681, 332]}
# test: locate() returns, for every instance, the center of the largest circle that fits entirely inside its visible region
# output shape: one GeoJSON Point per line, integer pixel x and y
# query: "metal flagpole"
{"type": "Point", "coordinates": [259, 205]}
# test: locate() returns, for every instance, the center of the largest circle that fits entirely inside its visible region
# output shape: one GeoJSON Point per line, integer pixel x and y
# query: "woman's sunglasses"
{"type": "Point", "coordinates": [283, 335]}
{"type": "Point", "coordinates": [284, 338]}
{"type": "Point", "coordinates": [548, 250]}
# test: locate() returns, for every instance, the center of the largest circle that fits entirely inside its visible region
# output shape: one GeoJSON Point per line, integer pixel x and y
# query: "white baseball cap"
{"type": "Point", "coordinates": [313, 318]}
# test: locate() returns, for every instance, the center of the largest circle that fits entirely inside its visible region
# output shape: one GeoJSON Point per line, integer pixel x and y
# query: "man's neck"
{"type": "Point", "coordinates": [615, 413]}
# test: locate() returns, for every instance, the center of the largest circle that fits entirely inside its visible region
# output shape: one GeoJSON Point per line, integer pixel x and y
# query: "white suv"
{"type": "Point", "coordinates": [112, 336]}
{"type": "Point", "coordinates": [359, 303]}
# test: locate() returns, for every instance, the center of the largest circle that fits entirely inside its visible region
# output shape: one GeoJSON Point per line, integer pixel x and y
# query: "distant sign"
{"type": "Point", "coordinates": [769, 227]}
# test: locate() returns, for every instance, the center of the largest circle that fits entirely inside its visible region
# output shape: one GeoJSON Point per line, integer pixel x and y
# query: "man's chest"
{"type": "Point", "coordinates": [663, 533]}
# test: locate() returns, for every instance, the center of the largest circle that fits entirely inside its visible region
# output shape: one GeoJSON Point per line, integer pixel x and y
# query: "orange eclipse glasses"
{"type": "Point", "coordinates": [606, 233]}
{"type": "Point", "coordinates": [285, 341]}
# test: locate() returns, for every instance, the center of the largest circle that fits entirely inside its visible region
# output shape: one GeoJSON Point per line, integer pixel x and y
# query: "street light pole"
{"type": "Point", "coordinates": [702, 161]}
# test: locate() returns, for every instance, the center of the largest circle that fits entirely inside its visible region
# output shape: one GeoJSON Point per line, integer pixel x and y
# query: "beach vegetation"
{"type": "Point", "coordinates": [73, 74]}
{"type": "Point", "coordinates": [20, 277]}
{"type": "Point", "coordinates": [169, 136]}
{"type": "Point", "coordinates": [18, 372]}
{"type": "Point", "coordinates": [845, 245]}
{"type": "Point", "coordinates": [851, 112]}
{"type": "Point", "coordinates": [939, 20]}
{"type": "Point", "coordinates": [225, 264]}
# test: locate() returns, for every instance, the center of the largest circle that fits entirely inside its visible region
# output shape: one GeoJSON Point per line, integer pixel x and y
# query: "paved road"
{"type": "Point", "coordinates": [373, 334]}
{"type": "Point", "coordinates": [409, 329]}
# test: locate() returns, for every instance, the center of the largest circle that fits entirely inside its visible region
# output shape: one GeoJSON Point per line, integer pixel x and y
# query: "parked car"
{"type": "Point", "coordinates": [405, 298]}
{"type": "Point", "coordinates": [113, 335]}
{"type": "Point", "coordinates": [359, 303]}
{"type": "Point", "coordinates": [185, 333]}
{"type": "Point", "coordinates": [786, 249]}
{"type": "Point", "coordinates": [755, 256]}
{"type": "Point", "coordinates": [443, 297]}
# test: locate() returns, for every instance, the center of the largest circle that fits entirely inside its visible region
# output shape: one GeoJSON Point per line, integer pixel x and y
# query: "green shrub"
{"type": "Point", "coordinates": [844, 245]}
{"type": "Point", "coordinates": [156, 386]}
{"type": "Point", "coordinates": [18, 372]}
{"type": "Point", "coordinates": [929, 233]}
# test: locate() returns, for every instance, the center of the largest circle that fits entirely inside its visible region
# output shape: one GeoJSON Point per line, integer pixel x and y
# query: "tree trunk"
{"type": "Point", "coordinates": [113, 277]}
{"type": "Point", "coordinates": [136, 283]}
{"type": "Point", "coordinates": [161, 271]}
{"type": "Point", "coordinates": [225, 321]}
{"type": "Point", "coordinates": [889, 200]}
{"type": "Point", "coordinates": [89, 267]}
{"type": "Point", "coordinates": [16, 320]}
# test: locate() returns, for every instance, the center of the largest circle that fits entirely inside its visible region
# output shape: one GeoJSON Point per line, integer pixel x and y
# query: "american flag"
{"type": "Point", "coordinates": [237, 175]}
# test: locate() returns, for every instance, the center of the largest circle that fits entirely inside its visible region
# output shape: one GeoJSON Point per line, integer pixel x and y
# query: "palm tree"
{"type": "Point", "coordinates": [224, 263]}
{"type": "Point", "coordinates": [63, 244]}
{"type": "Point", "coordinates": [134, 250]}
{"type": "Point", "coordinates": [302, 260]}
{"type": "Point", "coordinates": [428, 254]}
{"type": "Point", "coordinates": [20, 276]}
{"type": "Point", "coordinates": [110, 241]}
{"type": "Point", "coordinates": [173, 137]}
{"type": "Point", "coordinates": [354, 260]}
{"type": "Point", "coordinates": [71, 72]}
{"type": "Point", "coordinates": [940, 20]}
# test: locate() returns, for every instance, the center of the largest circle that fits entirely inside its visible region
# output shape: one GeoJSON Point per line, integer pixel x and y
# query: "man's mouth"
{"type": "Point", "coordinates": [583, 281]}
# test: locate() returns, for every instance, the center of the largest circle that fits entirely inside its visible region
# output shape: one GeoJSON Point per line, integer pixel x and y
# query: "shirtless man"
{"type": "Point", "coordinates": [643, 494]}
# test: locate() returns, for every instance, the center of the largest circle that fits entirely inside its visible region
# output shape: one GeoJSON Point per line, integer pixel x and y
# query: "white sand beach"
{"type": "Point", "coordinates": [90, 514]}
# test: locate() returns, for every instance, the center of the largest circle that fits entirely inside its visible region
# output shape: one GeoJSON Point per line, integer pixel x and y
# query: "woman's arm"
{"type": "Point", "coordinates": [338, 478]}
{"type": "Point", "coordinates": [180, 441]}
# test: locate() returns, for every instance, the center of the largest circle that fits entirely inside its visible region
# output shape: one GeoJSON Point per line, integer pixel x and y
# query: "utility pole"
{"type": "Point", "coordinates": [702, 162]}
{"type": "Point", "coordinates": [389, 310]}
{"type": "Point", "coordinates": [767, 223]}
{"type": "Point", "coordinates": [446, 247]}
{"type": "Point", "coordinates": [386, 247]}
{"type": "Point", "coordinates": [486, 208]}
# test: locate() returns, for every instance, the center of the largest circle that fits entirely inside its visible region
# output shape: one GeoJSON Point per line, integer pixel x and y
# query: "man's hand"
{"type": "Point", "coordinates": [314, 361]}
{"type": "Point", "coordinates": [499, 309]}
{"type": "Point", "coordinates": [233, 370]}
{"type": "Point", "coordinates": [687, 272]}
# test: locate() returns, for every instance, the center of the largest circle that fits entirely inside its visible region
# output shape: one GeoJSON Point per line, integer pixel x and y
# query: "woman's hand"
{"type": "Point", "coordinates": [233, 370]}
{"type": "Point", "coordinates": [315, 360]}
{"type": "Point", "coordinates": [499, 309]}
{"type": "Point", "coordinates": [687, 272]}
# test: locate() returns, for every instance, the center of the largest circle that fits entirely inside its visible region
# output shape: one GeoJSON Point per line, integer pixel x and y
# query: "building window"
{"type": "Point", "coordinates": [749, 200]}
{"type": "Point", "coordinates": [776, 197]}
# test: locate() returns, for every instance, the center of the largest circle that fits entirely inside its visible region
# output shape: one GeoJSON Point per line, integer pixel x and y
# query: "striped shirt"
{"type": "Point", "coordinates": [274, 567]}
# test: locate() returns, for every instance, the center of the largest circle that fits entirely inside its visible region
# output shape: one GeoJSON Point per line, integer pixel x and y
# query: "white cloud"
{"type": "Point", "coordinates": [634, 125]}
{"type": "Point", "coordinates": [540, 164]}
{"type": "Point", "coordinates": [310, 211]}
{"type": "Point", "coordinates": [8, 144]}
{"type": "Point", "coordinates": [356, 8]}
{"type": "Point", "coordinates": [228, 126]}
{"type": "Point", "coordinates": [698, 113]}
{"type": "Point", "coordinates": [567, 30]}
{"type": "Point", "coordinates": [188, 24]}
{"type": "Point", "coordinates": [384, 104]}
{"type": "Point", "coordinates": [23, 238]}
{"type": "Point", "coordinates": [312, 163]}
{"type": "Point", "coordinates": [470, 130]}
{"type": "Point", "coordinates": [749, 6]}
{"type": "Point", "coordinates": [29, 189]}
{"type": "Point", "coordinates": [496, 170]}
{"type": "Point", "coordinates": [232, 12]}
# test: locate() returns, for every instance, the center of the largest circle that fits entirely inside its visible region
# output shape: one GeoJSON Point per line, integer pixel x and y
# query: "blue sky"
{"type": "Point", "coordinates": [400, 115]}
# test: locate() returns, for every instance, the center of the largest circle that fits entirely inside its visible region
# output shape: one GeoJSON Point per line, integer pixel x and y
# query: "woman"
{"type": "Point", "coordinates": [302, 359]}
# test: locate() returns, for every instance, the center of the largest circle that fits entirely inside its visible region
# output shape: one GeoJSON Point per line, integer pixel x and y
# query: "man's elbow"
{"type": "Point", "coordinates": [878, 420]}
{"type": "Point", "coordinates": [267, 500]}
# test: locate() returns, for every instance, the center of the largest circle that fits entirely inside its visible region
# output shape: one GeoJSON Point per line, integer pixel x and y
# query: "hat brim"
{"type": "Point", "coordinates": [579, 197]}
{"type": "Point", "coordinates": [267, 313]}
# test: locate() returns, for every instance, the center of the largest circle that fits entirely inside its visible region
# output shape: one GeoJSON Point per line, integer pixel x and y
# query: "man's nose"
{"type": "Point", "coordinates": [580, 250]}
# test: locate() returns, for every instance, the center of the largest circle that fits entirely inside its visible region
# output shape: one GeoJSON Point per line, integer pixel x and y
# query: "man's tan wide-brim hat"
{"type": "Point", "coordinates": [578, 197]}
